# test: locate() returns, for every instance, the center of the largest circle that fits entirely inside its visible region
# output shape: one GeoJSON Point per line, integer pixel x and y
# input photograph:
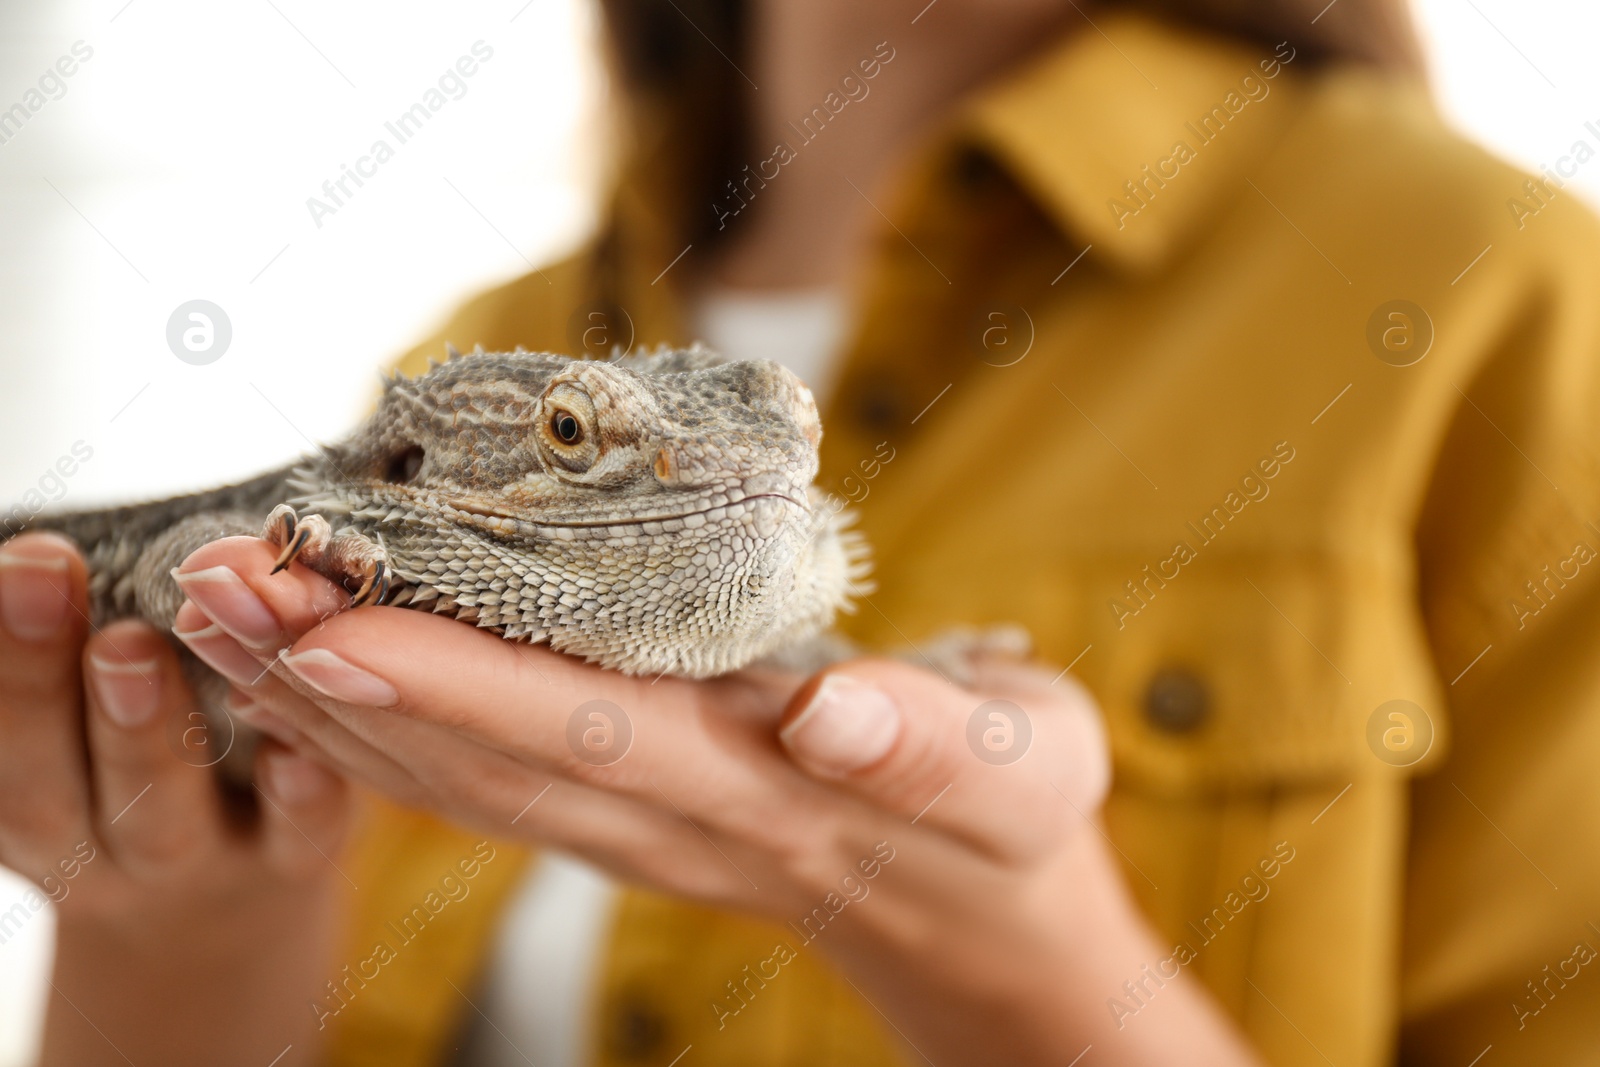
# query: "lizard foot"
{"type": "Point", "coordinates": [306, 539]}
{"type": "Point", "coordinates": [952, 651]}
{"type": "Point", "coordinates": [352, 556]}
{"type": "Point", "coordinates": [347, 557]}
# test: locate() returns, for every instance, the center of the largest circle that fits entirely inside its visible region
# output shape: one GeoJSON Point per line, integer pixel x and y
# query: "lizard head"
{"type": "Point", "coordinates": [655, 513]}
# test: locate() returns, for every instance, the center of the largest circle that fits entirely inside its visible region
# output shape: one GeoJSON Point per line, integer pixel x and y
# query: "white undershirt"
{"type": "Point", "coordinates": [539, 993]}
{"type": "Point", "coordinates": [802, 329]}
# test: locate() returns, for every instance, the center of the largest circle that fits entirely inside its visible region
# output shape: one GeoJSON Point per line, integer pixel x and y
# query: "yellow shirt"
{"type": "Point", "coordinates": [1264, 402]}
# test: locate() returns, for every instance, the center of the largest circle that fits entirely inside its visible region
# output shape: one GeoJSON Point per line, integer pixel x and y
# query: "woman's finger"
{"type": "Point", "coordinates": [264, 699]}
{"type": "Point", "coordinates": [242, 706]}
{"type": "Point", "coordinates": [305, 811]}
{"type": "Point", "coordinates": [696, 750]}
{"type": "Point", "coordinates": [153, 809]}
{"type": "Point", "coordinates": [1003, 774]}
{"type": "Point", "coordinates": [504, 795]}
{"type": "Point", "coordinates": [44, 792]}
{"type": "Point", "coordinates": [232, 581]}
{"type": "Point", "coordinates": [414, 761]}
{"type": "Point", "coordinates": [240, 617]}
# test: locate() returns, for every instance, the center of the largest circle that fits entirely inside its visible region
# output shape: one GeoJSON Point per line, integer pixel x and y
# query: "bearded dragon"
{"type": "Point", "coordinates": [654, 514]}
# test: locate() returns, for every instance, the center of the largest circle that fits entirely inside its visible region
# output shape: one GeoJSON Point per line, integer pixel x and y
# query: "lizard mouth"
{"type": "Point", "coordinates": [491, 512]}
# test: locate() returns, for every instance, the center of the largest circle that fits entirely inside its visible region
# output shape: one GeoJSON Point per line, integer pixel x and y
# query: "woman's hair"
{"type": "Point", "coordinates": [685, 104]}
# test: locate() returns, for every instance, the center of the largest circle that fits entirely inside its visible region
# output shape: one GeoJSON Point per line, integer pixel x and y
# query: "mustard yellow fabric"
{"type": "Point", "coordinates": [1150, 421]}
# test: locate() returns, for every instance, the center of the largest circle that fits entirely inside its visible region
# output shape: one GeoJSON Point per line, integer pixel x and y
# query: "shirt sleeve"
{"type": "Point", "coordinates": [1502, 898]}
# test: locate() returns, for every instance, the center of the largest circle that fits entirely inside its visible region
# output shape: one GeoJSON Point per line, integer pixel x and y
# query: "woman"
{"type": "Point", "coordinates": [1196, 346]}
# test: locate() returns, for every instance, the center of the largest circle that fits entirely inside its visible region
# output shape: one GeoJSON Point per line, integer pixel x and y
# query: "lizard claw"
{"type": "Point", "coordinates": [303, 538]}
{"type": "Point", "coordinates": [296, 541]}
{"type": "Point", "coordinates": [375, 589]}
{"type": "Point", "coordinates": [280, 524]}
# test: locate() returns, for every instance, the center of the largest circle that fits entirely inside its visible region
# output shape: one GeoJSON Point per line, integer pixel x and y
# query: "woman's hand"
{"type": "Point", "coordinates": [182, 936]}
{"type": "Point", "coordinates": [938, 842]}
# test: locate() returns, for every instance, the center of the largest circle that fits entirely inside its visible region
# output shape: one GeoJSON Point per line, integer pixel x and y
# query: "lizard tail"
{"type": "Point", "coordinates": [114, 540]}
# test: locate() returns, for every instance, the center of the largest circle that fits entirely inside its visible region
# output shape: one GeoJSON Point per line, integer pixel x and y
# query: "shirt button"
{"type": "Point", "coordinates": [1176, 701]}
{"type": "Point", "coordinates": [878, 405]}
{"type": "Point", "coordinates": [637, 1031]}
{"type": "Point", "coordinates": [974, 171]}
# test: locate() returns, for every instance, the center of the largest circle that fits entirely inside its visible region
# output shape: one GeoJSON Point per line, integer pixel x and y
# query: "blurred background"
{"type": "Point", "coordinates": [176, 161]}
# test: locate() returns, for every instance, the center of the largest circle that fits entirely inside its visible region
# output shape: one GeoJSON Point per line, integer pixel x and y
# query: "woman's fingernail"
{"type": "Point", "coordinates": [222, 654]}
{"type": "Point", "coordinates": [335, 677]}
{"type": "Point", "coordinates": [129, 690]}
{"type": "Point", "coordinates": [232, 605]}
{"type": "Point", "coordinates": [295, 780]}
{"type": "Point", "coordinates": [34, 590]}
{"type": "Point", "coordinates": [847, 726]}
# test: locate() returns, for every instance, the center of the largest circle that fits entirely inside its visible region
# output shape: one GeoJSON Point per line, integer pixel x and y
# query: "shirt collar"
{"type": "Point", "coordinates": [1075, 126]}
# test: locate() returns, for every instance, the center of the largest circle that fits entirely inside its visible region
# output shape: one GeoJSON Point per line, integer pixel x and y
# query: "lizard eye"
{"type": "Point", "coordinates": [566, 427]}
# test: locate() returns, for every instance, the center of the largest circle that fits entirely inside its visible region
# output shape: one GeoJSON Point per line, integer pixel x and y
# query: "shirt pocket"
{"type": "Point", "coordinates": [1259, 669]}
